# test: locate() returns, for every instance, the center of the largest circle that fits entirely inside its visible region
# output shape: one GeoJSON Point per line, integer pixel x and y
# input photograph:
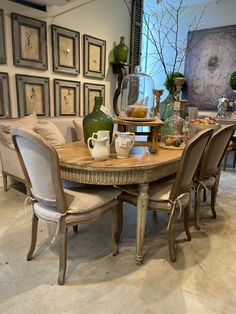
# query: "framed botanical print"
{"type": "Point", "coordinates": [66, 50]}
{"type": "Point", "coordinates": [2, 39]}
{"type": "Point", "coordinates": [29, 42]}
{"type": "Point", "coordinates": [90, 92]}
{"type": "Point", "coordinates": [67, 98]}
{"type": "Point", "coordinates": [33, 95]}
{"type": "Point", "coordinates": [94, 57]}
{"type": "Point", "coordinates": [4, 96]}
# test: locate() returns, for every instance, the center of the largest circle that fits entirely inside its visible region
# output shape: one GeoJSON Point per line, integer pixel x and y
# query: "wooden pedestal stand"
{"type": "Point", "coordinates": [152, 135]}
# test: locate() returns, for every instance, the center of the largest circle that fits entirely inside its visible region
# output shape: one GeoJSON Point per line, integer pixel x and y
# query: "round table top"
{"type": "Point", "coordinates": [77, 155]}
{"type": "Point", "coordinates": [77, 165]}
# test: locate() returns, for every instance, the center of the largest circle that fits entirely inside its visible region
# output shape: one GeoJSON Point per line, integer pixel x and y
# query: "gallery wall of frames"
{"type": "Point", "coordinates": [29, 50]}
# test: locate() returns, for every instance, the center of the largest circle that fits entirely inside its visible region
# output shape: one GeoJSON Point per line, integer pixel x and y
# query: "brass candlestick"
{"type": "Point", "coordinates": [179, 82]}
{"type": "Point", "coordinates": [157, 92]}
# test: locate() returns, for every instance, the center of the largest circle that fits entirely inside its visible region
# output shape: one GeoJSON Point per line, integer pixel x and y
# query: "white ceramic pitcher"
{"type": "Point", "coordinates": [124, 143]}
{"type": "Point", "coordinates": [98, 148]}
{"type": "Point", "coordinates": [103, 133]}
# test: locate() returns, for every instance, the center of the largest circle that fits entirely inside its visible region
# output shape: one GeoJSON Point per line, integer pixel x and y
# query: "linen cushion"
{"type": "Point", "coordinates": [5, 136]}
{"type": "Point", "coordinates": [79, 129]}
{"type": "Point", "coordinates": [50, 132]}
{"type": "Point", "coordinates": [84, 199]}
{"type": "Point", "coordinates": [27, 122]}
{"type": "Point", "coordinates": [159, 193]}
{"type": "Point", "coordinates": [87, 198]}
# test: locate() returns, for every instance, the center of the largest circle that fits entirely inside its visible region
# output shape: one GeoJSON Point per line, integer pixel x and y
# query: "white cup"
{"type": "Point", "coordinates": [101, 134]}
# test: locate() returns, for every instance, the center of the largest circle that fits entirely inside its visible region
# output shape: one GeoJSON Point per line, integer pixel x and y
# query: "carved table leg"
{"type": "Point", "coordinates": [142, 206]}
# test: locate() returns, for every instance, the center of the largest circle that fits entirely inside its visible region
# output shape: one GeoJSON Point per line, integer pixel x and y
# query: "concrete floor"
{"type": "Point", "coordinates": [203, 280]}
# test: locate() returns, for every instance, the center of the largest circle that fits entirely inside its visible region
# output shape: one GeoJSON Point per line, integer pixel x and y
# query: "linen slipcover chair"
{"type": "Point", "coordinates": [52, 203]}
{"type": "Point", "coordinates": [231, 148]}
{"type": "Point", "coordinates": [208, 174]}
{"type": "Point", "coordinates": [173, 194]}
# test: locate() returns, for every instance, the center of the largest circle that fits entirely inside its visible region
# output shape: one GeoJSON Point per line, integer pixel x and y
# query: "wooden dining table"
{"type": "Point", "coordinates": [77, 165]}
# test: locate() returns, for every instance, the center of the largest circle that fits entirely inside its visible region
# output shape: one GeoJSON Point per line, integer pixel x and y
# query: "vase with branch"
{"type": "Point", "coordinates": [167, 45]}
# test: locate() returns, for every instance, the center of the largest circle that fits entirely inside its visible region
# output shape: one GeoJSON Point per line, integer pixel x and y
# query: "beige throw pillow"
{"type": "Point", "coordinates": [28, 122]}
{"type": "Point", "coordinates": [79, 129]}
{"type": "Point", "coordinates": [5, 136]}
{"type": "Point", "coordinates": [50, 132]}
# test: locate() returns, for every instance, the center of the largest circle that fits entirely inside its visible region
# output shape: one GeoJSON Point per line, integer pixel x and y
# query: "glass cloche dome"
{"type": "Point", "coordinates": [137, 98]}
{"type": "Point", "coordinates": [173, 131]}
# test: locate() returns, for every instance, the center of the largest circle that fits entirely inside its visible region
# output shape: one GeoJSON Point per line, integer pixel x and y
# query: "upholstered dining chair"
{"type": "Point", "coordinates": [173, 194]}
{"type": "Point", "coordinates": [208, 174]}
{"type": "Point", "coordinates": [52, 203]}
{"type": "Point", "coordinates": [231, 148]}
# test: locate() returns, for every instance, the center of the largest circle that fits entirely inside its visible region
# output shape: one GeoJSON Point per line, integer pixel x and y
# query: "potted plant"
{"type": "Point", "coordinates": [232, 81]}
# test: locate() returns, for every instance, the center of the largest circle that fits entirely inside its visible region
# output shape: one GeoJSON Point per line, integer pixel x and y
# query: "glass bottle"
{"type": "Point", "coordinates": [173, 129]}
{"type": "Point", "coordinates": [97, 120]}
{"type": "Point", "coordinates": [121, 51]}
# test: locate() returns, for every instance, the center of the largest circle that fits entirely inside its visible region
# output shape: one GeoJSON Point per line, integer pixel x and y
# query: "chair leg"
{"type": "Point", "coordinates": [171, 239]}
{"type": "Point", "coordinates": [196, 210]}
{"type": "Point", "coordinates": [115, 229]}
{"type": "Point", "coordinates": [213, 199]}
{"type": "Point", "coordinates": [4, 178]}
{"type": "Point", "coordinates": [62, 250]}
{"type": "Point", "coordinates": [34, 229]}
{"type": "Point", "coordinates": [186, 222]}
{"type": "Point", "coordinates": [120, 220]}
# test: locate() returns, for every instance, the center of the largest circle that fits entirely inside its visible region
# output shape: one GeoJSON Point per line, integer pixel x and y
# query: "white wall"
{"type": "Point", "coordinates": [105, 19]}
{"type": "Point", "coordinates": [217, 13]}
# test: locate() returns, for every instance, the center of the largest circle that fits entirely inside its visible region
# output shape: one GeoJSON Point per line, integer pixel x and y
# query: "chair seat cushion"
{"type": "Point", "coordinates": [89, 197]}
{"type": "Point", "coordinates": [159, 193]}
{"type": "Point", "coordinates": [85, 199]}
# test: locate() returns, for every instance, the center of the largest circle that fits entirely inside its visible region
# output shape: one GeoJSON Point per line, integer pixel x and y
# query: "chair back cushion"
{"type": "Point", "coordinates": [189, 162]}
{"type": "Point", "coordinates": [40, 164]}
{"type": "Point", "coordinates": [215, 151]}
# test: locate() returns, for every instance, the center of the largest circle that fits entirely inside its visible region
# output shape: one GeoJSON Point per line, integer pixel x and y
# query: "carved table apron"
{"type": "Point", "coordinates": [77, 165]}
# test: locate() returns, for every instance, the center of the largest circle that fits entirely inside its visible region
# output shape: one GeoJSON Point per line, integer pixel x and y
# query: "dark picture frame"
{"type": "Point", "coordinates": [214, 52]}
{"type": "Point", "coordinates": [29, 40]}
{"type": "Point", "coordinates": [33, 95]}
{"type": "Point", "coordinates": [2, 39]}
{"type": "Point", "coordinates": [67, 97]}
{"type": "Point", "coordinates": [91, 91]}
{"type": "Point", "coordinates": [94, 57]}
{"type": "Point", "coordinates": [5, 111]}
{"type": "Point", "coordinates": [66, 50]}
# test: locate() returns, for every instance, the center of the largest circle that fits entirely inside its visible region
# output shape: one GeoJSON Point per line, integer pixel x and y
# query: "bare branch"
{"type": "Point", "coordinates": [163, 32]}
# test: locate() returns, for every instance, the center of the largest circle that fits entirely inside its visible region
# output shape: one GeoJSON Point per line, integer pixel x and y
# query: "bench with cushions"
{"type": "Point", "coordinates": [55, 130]}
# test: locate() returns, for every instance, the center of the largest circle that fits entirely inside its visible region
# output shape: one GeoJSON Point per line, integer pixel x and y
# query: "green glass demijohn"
{"type": "Point", "coordinates": [121, 51]}
{"type": "Point", "coordinates": [97, 120]}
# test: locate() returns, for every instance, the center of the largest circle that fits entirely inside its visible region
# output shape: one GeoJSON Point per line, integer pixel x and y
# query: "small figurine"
{"type": "Point", "coordinates": [222, 106]}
